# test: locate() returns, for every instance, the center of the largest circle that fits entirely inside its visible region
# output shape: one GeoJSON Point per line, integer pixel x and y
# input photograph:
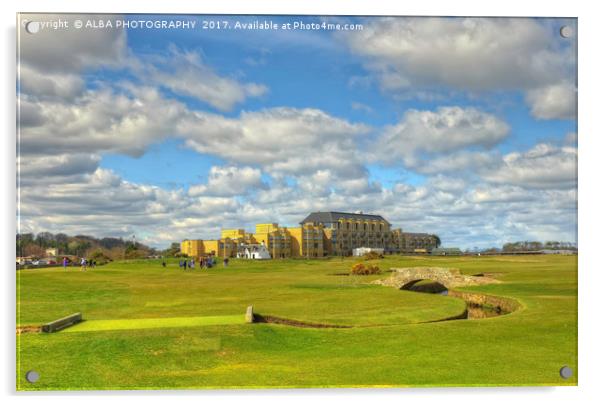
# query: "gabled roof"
{"type": "Point", "coordinates": [330, 217]}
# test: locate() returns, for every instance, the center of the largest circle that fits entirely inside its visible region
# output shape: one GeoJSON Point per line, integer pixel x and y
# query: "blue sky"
{"type": "Point", "coordinates": [416, 119]}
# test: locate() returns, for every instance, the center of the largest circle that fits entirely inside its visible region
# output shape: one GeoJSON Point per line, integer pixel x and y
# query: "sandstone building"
{"type": "Point", "coordinates": [320, 234]}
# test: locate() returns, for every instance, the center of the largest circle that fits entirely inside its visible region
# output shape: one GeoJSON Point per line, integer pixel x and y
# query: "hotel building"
{"type": "Point", "coordinates": [320, 234]}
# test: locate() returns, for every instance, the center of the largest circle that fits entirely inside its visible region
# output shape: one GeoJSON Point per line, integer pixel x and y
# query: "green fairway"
{"type": "Point", "coordinates": [165, 328]}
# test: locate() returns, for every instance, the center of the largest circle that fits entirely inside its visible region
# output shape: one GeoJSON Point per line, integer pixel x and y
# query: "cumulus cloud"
{"type": "Point", "coordinates": [101, 203]}
{"type": "Point", "coordinates": [51, 51]}
{"type": "Point", "coordinates": [543, 166]}
{"type": "Point", "coordinates": [409, 55]}
{"type": "Point", "coordinates": [229, 181]}
{"type": "Point", "coordinates": [461, 162]}
{"type": "Point", "coordinates": [40, 167]}
{"type": "Point", "coordinates": [434, 132]}
{"type": "Point", "coordinates": [448, 183]}
{"type": "Point", "coordinates": [500, 194]}
{"type": "Point", "coordinates": [185, 73]}
{"type": "Point", "coordinates": [282, 140]}
{"type": "Point", "coordinates": [65, 86]}
{"type": "Point", "coordinates": [470, 53]}
{"type": "Point", "coordinates": [127, 119]}
{"type": "Point", "coordinates": [556, 101]}
{"type": "Point", "coordinates": [51, 61]}
{"type": "Point", "coordinates": [103, 121]}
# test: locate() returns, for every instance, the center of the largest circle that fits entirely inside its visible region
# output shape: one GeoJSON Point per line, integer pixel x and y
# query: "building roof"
{"type": "Point", "coordinates": [330, 217]}
{"type": "Point", "coordinates": [416, 234]}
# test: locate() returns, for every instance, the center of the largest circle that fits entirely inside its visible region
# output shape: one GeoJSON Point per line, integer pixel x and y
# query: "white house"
{"type": "Point", "coordinates": [358, 252]}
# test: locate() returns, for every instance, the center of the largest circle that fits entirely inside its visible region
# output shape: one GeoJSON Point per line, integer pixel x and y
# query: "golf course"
{"type": "Point", "coordinates": [149, 327]}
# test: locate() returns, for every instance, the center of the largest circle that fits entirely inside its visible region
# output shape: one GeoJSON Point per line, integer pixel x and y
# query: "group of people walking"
{"type": "Point", "coordinates": [84, 263]}
{"type": "Point", "coordinates": [203, 263]}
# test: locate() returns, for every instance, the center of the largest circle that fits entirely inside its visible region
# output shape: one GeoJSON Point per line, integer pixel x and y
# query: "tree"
{"type": "Point", "coordinates": [172, 251]}
{"type": "Point", "coordinates": [33, 250]}
{"type": "Point", "coordinates": [23, 240]}
{"type": "Point", "coordinates": [45, 239]}
{"type": "Point", "coordinates": [116, 253]}
{"type": "Point", "coordinates": [80, 245]}
{"type": "Point", "coordinates": [99, 255]}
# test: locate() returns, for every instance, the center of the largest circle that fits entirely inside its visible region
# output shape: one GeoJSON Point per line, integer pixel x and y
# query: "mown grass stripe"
{"type": "Point", "coordinates": [142, 323]}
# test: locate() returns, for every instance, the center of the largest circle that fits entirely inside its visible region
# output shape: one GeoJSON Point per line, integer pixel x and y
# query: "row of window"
{"type": "Point", "coordinates": [356, 226]}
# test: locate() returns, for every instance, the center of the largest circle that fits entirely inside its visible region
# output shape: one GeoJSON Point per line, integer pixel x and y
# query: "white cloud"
{"type": "Point", "coordinates": [185, 73]}
{"type": "Point", "coordinates": [51, 61]}
{"type": "Point", "coordinates": [448, 183]}
{"type": "Point", "coordinates": [445, 130]}
{"type": "Point", "coordinates": [556, 101]}
{"type": "Point", "coordinates": [51, 51]}
{"type": "Point", "coordinates": [229, 181]}
{"type": "Point", "coordinates": [467, 53]}
{"type": "Point", "coordinates": [282, 140]}
{"type": "Point", "coordinates": [40, 167]}
{"type": "Point", "coordinates": [358, 106]}
{"type": "Point", "coordinates": [460, 162]}
{"type": "Point", "coordinates": [499, 194]}
{"type": "Point", "coordinates": [543, 166]}
{"type": "Point", "coordinates": [413, 54]}
{"type": "Point", "coordinates": [65, 86]}
{"type": "Point", "coordinates": [102, 121]}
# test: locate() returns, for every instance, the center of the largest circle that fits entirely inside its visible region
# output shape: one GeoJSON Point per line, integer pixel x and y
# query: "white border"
{"type": "Point", "coordinates": [590, 168]}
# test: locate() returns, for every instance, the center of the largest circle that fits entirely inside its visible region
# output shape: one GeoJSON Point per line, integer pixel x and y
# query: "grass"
{"type": "Point", "coordinates": [145, 323]}
{"type": "Point", "coordinates": [204, 343]}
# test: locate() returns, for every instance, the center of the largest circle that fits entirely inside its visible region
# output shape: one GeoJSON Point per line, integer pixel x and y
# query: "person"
{"type": "Point", "coordinates": [64, 262]}
{"type": "Point", "coordinates": [191, 265]}
{"type": "Point", "coordinates": [226, 260]}
{"type": "Point", "coordinates": [185, 265]}
{"type": "Point", "coordinates": [163, 263]}
{"type": "Point", "coordinates": [83, 264]}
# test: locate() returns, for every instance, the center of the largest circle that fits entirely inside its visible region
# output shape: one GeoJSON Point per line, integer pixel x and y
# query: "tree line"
{"type": "Point", "coordinates": [537, 245]}
{"type": "Point", "coordinates": [104, 249]}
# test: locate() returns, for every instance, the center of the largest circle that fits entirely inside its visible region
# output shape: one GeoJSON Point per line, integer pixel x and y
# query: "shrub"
{"type": "Point", "coordinates": [100, 257]}
{"type": "Point", "coordinates": [372, 255]}
{"type": "Point", "coordinates": [364, 269]}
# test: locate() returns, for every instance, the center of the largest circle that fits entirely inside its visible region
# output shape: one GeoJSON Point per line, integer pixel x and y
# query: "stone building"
{"type": "Point", "coordinates": [320, 234]}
